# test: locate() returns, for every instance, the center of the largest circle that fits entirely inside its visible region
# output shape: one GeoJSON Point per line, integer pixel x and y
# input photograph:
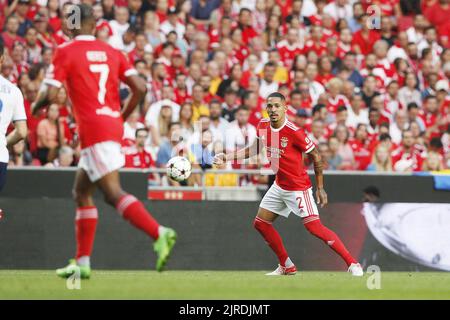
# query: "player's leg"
{"type": "Point", "coordinates": [133, 210]}
{"type": "Point", "coordinates": [312, 223]}
{"type": "Point", "coordinates": [270, 208]}
{"type": "Point", "coordinates": [85, 225]}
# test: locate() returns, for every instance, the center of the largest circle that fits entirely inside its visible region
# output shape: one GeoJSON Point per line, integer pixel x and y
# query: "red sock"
{"type": "Point", "coordinates": [85, 225]}
{"type": "Point", "coordinates": [316, 228]}
{"type": "Point", "coordinates": [134, 211]}
{"type": "Point", "coordinates": [272, 238]}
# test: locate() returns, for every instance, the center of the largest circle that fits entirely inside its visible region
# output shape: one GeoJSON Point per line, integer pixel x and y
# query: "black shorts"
{"type": "Point", "coordinates": [2, 174]}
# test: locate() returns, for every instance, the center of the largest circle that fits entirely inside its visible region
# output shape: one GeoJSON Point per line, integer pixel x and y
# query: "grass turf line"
{"type": "Point", "coordinates": [36, 284]}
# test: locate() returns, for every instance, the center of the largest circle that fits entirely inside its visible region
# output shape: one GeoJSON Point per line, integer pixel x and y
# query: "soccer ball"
{"type": "Point", "coordinates": [179, 168]}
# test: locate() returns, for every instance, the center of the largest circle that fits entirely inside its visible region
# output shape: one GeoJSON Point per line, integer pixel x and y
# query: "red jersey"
{"type": "Point", "coordinates": [284, 147]}
{"type": "Point", "coordinates": [288, 52]}
{"type": "Point", "coordinates": [138, 159]}
{"type": "Point", "coordinates": [91, 71]}
{"type": "Point", "coordinates": [362, 154]}
{"type": "Point", "coordinates": [414, 156]}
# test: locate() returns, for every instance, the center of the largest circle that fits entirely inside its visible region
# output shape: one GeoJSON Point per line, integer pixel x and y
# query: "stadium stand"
{"type": "Point", "coordinates": [367, 80]}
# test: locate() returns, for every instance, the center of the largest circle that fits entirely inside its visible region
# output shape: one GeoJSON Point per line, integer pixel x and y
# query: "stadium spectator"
{"type": "Point", "coordinates": [50, 135]}
{"type": "Point", "coordinates": [66, 157]}
{"type": "Point", "coordinates": [407, 157]}
{"type": "Point", "coordinates": [381, 160]}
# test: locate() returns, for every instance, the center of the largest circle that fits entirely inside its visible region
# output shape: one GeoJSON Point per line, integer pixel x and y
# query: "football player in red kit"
{"type": "Point", "coordinates": [284, 143]}
{"type": "Point", "coordinates": [91, 71]}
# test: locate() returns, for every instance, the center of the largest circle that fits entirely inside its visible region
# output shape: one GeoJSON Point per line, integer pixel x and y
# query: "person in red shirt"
{"type": "Point", "coordinates": [284, 144]}
{"type": "Point", "coordinates": [364, 39]}
{"type": "Point", "coordinates": [316, 43]}
{"type": "Point", "coordinates": [438, 13]}
{"type": "Point", "coordinates": [289, 48]}
{"type": "Point", "coordinates": [245, 24]}
{"type": "Point", "coordinates": [361, 147]}
{"type": "Point", "coordinates": [431, 117]}
{"type": "Point", "coordinates": [91, 71]}
{"type": "Point", "coordinates": [407, 157]}
{"type": "Point", "coordinates": [10, 36]}
{"type": "Point", "coordinates": [137, 156]}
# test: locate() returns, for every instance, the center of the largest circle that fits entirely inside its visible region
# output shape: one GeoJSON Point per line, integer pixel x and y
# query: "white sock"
{"type": "Point", "coordinates": [84, 261]}
{"type": "Point", "coordinates": [160, 230]}
{"type": "Point", "coordinates": [288, 263]}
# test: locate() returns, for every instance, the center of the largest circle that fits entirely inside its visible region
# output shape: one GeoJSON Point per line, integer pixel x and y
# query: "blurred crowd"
{"type": "Point", "coordinates": [368, 80]}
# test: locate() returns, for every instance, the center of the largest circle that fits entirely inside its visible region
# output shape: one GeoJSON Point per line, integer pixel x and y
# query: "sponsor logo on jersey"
{"type": "Point", "coordinates": [107, 111]}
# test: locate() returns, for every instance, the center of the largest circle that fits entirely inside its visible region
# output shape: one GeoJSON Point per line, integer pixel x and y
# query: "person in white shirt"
{"type": "Point", "coordinates": [356, 114]}
{"type": "Point", "coordinates": [218, 125]}
{"type": "Point", "coordinates": [339, 9]}
{"type": "Point", "coordinates": [119, 25]}
{"type": "Point", "coordinates": [11, 109]}
{"type": "Point", "coordinates": [172, 24]}
{"type": "Point", "coordinates": [429, 41]}
{"type": "Point", "coordinates": [315, 88]}
{"type": "Point", "coordinates": [240, 133]}
{"type": "Point", "coordinates": [268, 85]}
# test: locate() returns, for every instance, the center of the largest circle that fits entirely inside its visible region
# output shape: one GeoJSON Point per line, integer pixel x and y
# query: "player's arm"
{"type": "Point", "coordinates": [138, 91]}
{"type": "Point", "coordinates": [244, 153]}
{"type": "Point", "coordinates": [19, 133]}
{"type": "Point", "coordinates": [321, 195]}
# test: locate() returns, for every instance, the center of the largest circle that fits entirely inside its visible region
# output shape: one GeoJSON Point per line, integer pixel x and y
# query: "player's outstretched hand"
{"type": "Point", "coordinates": [322, 197]}
{"type": "Point", "coordinates": [219, 159]}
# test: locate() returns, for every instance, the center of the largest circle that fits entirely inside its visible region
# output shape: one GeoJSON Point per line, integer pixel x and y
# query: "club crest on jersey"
{"type": "Point", "coordinates": [284, 142]}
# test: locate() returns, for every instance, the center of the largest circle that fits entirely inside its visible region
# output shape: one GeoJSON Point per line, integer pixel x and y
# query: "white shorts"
{"type": "Point", "coordinates": [283, 202]}
{"type": "Point", "coordinates": [101, 158]}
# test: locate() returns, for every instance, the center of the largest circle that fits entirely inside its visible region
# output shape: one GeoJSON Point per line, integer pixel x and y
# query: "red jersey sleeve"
{"type": "Point", "coordinates": [59, 69]}
{"type": "Point", "coordinates": [125, 68]}
{"type": "Point", "coordinates": [303, 142]}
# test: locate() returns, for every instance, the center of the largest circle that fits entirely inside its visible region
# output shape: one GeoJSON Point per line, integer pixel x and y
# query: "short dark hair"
{"type": "Point", "coordinates": [412, 105]}
{"type": "Point", "coordinates": [317, 108]}
{"type": "Point", "coordinates": [295, 91]}
{"type": "Point", "coordinates": [384, 137]}
{"type": "Point", "coordinates": [271, 63]}
{"type": "Point", "coordinates": [429, 98]}
{"type": "Point", "coordinates": [215, 101]}
{"type": "Point", "coordinates": [2, 48]}
{"type": "Point", "coordinates": [139, 130]}
{"type": "Point", "coordinates": [277, 95]}
{"type": "Point", "coordinates": [86, 12]}
{"type": "Point", "coordinates": [242, 108]}
{"type": "Point", "coordinates": [341, 108]}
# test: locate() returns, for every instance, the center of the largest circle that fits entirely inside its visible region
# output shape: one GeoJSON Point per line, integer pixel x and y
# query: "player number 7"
{"type": "Point", "coordinates": [103, 69]}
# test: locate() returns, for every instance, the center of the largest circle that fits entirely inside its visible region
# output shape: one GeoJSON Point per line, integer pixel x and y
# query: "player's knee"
{"type": "Point", "coordinates": [259, 224]}
{"type": "Point", "coordinates": [113, 197]}
{"type": "Point", "coordinates": [80, 197]}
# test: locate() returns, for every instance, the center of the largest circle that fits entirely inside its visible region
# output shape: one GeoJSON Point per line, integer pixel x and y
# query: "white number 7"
{"type": "Point", "coordinates": [103, 69]}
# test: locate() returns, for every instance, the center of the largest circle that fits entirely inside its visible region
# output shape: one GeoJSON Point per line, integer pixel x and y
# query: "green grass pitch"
{"type": "Point", "coordinates": [24, 284]}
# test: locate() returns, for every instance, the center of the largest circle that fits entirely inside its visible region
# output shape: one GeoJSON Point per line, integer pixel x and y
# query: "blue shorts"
{"type": "Point", "coordinates": [2, 174]}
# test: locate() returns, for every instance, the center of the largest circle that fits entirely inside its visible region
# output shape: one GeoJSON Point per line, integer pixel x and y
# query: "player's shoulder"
{"type": "Point", "coordinates": [292, 127]}
{"type": "Point", "coordinates": [9, 86]}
